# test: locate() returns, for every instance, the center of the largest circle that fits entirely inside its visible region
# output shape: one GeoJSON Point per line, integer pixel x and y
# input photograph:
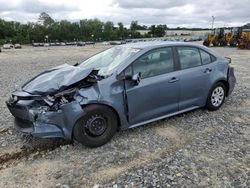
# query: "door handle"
{"type": "Point", "coordinates": [174, 79]}
{"type": "Point", "coordinates": [207, 70]}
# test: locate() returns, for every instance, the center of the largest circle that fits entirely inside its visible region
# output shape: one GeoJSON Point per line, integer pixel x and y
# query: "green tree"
{"type": "Point", "coordinates": [120, 31]}
{"type": "Point", "coordinates": [65, 30]}
{"type": "Point", "coordinates": [157, 31]}
{"type": "Point", "coordinates": [45, 19]}
{"type": "Point", "coordinates": [134, 26]}
{"type": "Point", "coordinates": [108, 29]}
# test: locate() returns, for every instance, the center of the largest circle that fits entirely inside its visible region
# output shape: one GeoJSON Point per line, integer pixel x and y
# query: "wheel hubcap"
{"type": "Point", "coordinates": [96, 125]}
{"type": "Point", "coordinates": [217, 96]}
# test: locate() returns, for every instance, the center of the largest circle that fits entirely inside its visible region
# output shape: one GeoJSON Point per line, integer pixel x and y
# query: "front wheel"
{"type": "Point", "coordinates": [216, 97]}
{"type": "Point", "coordinates": [223, 43]}
{"type": "Point", "coordinates": [96, 127]}
{"type": "Point", "coordinates": [233, 43]}
{"type": "Point", "coordinates": [216, 43]}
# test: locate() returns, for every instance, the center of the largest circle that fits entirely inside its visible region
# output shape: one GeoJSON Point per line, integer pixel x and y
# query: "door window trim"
{"type": "Point", "coordinates": [211, 60]}
{"type": "Point", "coordinates": [148, 52]}
{"type": "Point", "coordinates": [178, 58]}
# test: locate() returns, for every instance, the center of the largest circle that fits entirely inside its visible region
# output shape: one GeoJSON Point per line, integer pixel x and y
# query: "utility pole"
{"type": "Point", "coordinates": [213, 18]}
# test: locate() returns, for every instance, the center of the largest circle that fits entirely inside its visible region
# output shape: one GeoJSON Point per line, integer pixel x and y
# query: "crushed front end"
{"type": "Point", "coordinates": [36, 115]}
{"type": "Point", "coordinates": [50, 108]}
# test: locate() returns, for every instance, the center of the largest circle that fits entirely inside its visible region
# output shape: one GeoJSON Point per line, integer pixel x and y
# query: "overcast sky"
{"type": "Point", "coordinates": [174, 13]}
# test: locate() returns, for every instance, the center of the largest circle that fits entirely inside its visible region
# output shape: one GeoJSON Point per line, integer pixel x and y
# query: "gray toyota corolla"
{"type": "Point", "coordinates": [119, 88]}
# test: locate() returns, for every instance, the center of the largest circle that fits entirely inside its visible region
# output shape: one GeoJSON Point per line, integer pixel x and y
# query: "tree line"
{"type": "Point", "coordinates": [46, 28]}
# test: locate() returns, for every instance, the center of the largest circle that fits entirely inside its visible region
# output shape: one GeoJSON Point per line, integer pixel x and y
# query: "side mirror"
{"type": "Point", "coordinates": [136, 78]}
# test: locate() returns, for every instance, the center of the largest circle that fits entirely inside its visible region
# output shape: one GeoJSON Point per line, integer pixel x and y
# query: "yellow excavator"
{"type": "Point", "coordinates": [216, 38]}
{"type": "Point", "coordinates": [233, 37]}
{"type": "Point", "coordinates": [244, 41]}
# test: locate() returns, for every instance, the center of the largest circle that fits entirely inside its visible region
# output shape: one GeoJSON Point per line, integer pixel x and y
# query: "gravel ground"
{"type": "Point", "coordinates": [195, 149]}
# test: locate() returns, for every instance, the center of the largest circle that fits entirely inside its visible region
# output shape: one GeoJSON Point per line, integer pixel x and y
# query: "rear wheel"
{"type": "Point", "coordinates": [233, 43]}
{"type": "Point", "coordinates": [206, 43]}
{"type": "Point", "coordinates": [223, 42]}
{"type": "Point", "coordinates": [215, 43]}
{"type": "Point", "coordinates": [96, 127]}
{"type": "Point", "coordinates": [216, 97]}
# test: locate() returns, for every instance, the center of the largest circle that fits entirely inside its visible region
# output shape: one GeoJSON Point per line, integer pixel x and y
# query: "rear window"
{"type": "Point", "coordinates": [206, 57]}
{"type": "Point", "coordinates": [213, 58]}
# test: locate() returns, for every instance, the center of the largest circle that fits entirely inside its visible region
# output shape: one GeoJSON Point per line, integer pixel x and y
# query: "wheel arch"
{"type": "Point", "coordinates": [111, 107]}
{"type": "Point", "coordinates": [226, 84]}
{"type": "Point", "coordinates": [208, 105]}
{"type": "Point", "coordinates": [101, 104]}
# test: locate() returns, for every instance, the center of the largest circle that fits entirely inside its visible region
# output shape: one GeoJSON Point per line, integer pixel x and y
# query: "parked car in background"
{"type": "Point", "coordinates": [35, 44]}
{"type": "Point", "coordinates": [120, 88]}
{"type": "Point", "coordinates": [89, 43]}
{"type": "Point", "coordinates": [7, 46]}
{"type": "Point", "coordinates": [117, 42]}
{"type": "Point", "coordinates": [105, 43]}
{"type": "Point", "coordinates": [70, 43]}
{"type": "Point", "coordinates": [80, 43]}
{"type": "Point", "coordinates": [17, 46]}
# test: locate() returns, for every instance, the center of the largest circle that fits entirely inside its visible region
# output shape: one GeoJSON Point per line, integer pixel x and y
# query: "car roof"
{"type": "Point", "coordinates": [153, 44]}
{"type": "Point", "coordinates": [157, 44]}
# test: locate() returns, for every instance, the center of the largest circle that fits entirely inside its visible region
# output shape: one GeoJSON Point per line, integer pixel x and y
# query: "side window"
{"type": "Point", "coordinates": [154, 63]}
{"type": "Point", "coordinates": [189, 57]}
{"type": "Point", "coordinates": [128, 72]}
{"type": "Point", "coordinates": [213, 58]}
{"type": "Point", "coordinates": [205, 57]}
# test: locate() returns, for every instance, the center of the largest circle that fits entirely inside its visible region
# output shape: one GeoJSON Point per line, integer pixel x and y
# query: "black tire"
{"type": "Point", "coordinates": [96, 116]}
{"type": "Point", "coordinates": [206, 43]}
{"type": "Point", "coordinates": [210, 105]}
{"type": "Point", "coordinates": [223, 43]}
{"type": "Point", "coordinates": [216, 43]}
{"type": "Point", "coordinates": [233, 43]}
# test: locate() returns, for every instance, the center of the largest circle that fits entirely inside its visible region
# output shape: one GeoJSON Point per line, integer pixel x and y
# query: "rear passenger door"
{"type": "Point", "coordinates": [195, 71]}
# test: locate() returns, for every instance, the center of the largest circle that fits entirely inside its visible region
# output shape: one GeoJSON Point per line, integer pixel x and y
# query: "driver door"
{"type": "Point", "coordinates": [157, 93]}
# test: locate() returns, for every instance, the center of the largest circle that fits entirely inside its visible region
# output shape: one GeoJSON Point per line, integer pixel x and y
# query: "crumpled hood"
{"type": "Point", "coordinates": [55, 79]}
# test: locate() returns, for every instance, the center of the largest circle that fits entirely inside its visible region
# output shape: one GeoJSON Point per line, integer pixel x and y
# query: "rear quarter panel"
{"type": "Point", "coordinates": [220, 67]}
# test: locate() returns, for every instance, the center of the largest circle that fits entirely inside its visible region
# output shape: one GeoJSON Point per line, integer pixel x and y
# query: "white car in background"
{"type": "Point", "coordinates": [17, 46]}
{"type": "Point", "coordinates": [7, 46]}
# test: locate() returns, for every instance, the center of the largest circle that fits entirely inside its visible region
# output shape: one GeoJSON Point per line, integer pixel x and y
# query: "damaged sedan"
{"type": "Point", "coordinates": [122, 87]}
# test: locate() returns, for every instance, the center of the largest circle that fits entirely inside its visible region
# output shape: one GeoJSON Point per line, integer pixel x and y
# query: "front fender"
{"type": "Point", "coordinates": [115, 101]}
{"type": "Point", "coordinates": [64, 119]}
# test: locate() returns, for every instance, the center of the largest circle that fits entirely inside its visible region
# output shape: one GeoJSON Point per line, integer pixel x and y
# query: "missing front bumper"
{"type": "Point", "coordinates": [41, 130]}
{"type": "Point", "coordinates": [47, 124]}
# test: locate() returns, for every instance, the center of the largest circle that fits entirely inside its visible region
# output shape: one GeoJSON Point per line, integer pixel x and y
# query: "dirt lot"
{"type": "Point", "coordinates": [195, 149]}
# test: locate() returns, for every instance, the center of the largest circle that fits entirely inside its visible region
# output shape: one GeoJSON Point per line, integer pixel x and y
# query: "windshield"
{"type": "Point", "coordinates": [108, 60]}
